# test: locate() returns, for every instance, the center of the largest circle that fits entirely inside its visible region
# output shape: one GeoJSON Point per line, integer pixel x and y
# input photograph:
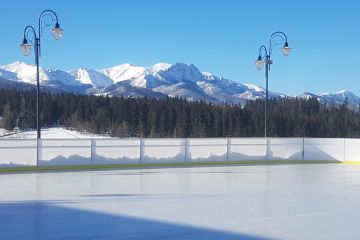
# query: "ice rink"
{"type": "Point", "coordinates": [236, 202]}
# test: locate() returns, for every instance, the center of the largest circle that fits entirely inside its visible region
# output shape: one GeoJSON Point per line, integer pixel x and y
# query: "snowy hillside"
{"type": "Point", "coordinates": [340, 97]}
{"type": "Point", "coordinates": [337, 98]}
{"type": "Point", "coordinates": [160, 80]}
{"type": "Point", "coordinates": [48, 133]}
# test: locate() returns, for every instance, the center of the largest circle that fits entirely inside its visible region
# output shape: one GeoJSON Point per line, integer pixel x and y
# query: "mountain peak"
{"type": "Point", "coordinates": [339, 93]}
{"type": "Point", "coordinates": [255, 87]}
{"type": "Point", "coordinates": [119, 66]}
{"type": "Point", "coordinates": [89, 76]}
{"type": "Point", "coordinates": [209, 76]}
{"type": "Point", "coordinates": [185, 66]}
{"type": "Point", "coordinates": [308, 94]}
{"type": "Point", "coordinates": [23, 71]}
{"type": "Point", "coordinates": [15, 65]}
{"type": "Point", "coordinates": [160, 67]}
{"type": "Point", "coordinates": [180, 72]}
{"type": "Point", "coordinates": [345, 92]}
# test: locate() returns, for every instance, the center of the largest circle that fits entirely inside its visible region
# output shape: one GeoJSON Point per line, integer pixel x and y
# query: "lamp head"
{"type": "Point", "coordinates": [25, 47]}
{"type": "Point", "coordinates": [57, 32]}
{"type": "Point", "coordinates": [259, 63]}
{"type": "Point", "coordinates": [286, 49]}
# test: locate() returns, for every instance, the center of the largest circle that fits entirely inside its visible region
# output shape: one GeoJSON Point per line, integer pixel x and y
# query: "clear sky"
{"type": "Point", "coordinates": [218, 36]}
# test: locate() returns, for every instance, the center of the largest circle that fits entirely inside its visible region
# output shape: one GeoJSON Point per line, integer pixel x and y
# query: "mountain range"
{"type": "Point", "coordinates": [160, 80]}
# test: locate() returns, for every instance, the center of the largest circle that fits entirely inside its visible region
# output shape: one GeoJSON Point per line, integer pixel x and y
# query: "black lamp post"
{"type": "Point", "coordinates": [264, 58]}
{"type": "Point", "coordinates": [46, 19]}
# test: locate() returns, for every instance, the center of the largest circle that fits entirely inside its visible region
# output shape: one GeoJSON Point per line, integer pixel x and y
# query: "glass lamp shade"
{"type": "Point", "coordinates": [259, 64]}
{"type": "Point", "coordinates": [57, 32]}
{"type": "Point", "coordinates": [25, 48]}
{"type": "Point", "coordinates": [286, 49]}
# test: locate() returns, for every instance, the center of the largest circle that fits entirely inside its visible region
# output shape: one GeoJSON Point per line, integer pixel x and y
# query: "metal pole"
{"type": "Point", "coordinates": [37, 42]}
{"type": "Point", "coordinates": [267, 90]}
{"type": "Point", "coordinates": [228, 149]}
{"type": "Point", "coordinates": [38, 126]}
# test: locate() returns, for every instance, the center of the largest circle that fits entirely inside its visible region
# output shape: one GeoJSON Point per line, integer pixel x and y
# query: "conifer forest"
{"type": "Point", "coordinates": [174, 117]}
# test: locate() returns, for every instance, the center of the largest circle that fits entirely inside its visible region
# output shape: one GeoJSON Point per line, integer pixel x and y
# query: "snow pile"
{"type": "Point", "coordinates": [3, 132]}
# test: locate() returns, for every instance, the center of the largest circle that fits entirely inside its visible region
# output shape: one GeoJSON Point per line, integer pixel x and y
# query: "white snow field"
{"type": "Point", "coordinates": [311, 201]}
{"type": "Point", "coordinates": [50, 133]}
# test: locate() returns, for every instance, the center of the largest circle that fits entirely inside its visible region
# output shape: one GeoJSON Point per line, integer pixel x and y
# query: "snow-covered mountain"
{"type": "Point", "coordinates": [160, 80]}
{"type": "Point", "coordinates": [336, 98]}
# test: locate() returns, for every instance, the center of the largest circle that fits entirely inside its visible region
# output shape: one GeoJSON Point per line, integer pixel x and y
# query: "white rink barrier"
{"type": "Point", "coordinates": [67, 152]}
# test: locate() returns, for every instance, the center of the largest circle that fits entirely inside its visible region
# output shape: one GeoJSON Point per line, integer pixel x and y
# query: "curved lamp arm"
{"type": "Point", "coordinates": [25, 47]}
{"type": "Point", "coordinates": [47, 18]}
{"type": "Point", "coordinates": [278, 38]}
{"type": "Point", "coordinates": [263, 52]}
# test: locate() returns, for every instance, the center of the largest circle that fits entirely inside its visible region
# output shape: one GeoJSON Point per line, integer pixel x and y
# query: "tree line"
{"type": "Point", "coordinates": [175, 117]}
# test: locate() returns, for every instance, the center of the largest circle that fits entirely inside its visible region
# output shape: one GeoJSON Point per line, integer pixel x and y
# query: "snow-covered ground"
{"type": "Point", "coordinates": [50, 133]}
{"type": "Point", "coordinates": [3, 132]}
{"type": "Point", "coordinates": [243, 202]}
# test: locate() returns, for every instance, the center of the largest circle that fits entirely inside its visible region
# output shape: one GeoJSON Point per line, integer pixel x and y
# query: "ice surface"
{"type": "Point", "coordinates": [244, 202]}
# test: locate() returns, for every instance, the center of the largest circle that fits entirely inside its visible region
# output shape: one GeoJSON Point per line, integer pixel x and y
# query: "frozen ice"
{"type": "Point", "coordinates": [311, 201]}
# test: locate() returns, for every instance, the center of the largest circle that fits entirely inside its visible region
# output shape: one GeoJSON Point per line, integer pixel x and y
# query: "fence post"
{"type": "Point", "coordinates": [93, 151]}
{"type": "Point", "coordinates": [344, 159]}
{"type": "Point", "coordinates": [185, 150]}
{"type": "Point", "coordinates": [141, 150]}
{"type": "Point", "coordinates": [303, 149]}
{"type": "Point", "coordinates": [228, 143]}
{"type": "Point", "coordinates": [38, 151]}
{"type": "Point", "coordinates": [267, 148]}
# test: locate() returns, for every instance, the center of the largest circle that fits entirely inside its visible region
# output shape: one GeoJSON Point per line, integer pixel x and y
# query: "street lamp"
{"type": "Point", "coordinates": [264, 59]}
{"type": "Point", "coordinates": [46, 19]}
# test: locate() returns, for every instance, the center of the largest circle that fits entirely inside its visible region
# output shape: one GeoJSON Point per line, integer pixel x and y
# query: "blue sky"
{"type": "Point", "coordinates": [218, 36]}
